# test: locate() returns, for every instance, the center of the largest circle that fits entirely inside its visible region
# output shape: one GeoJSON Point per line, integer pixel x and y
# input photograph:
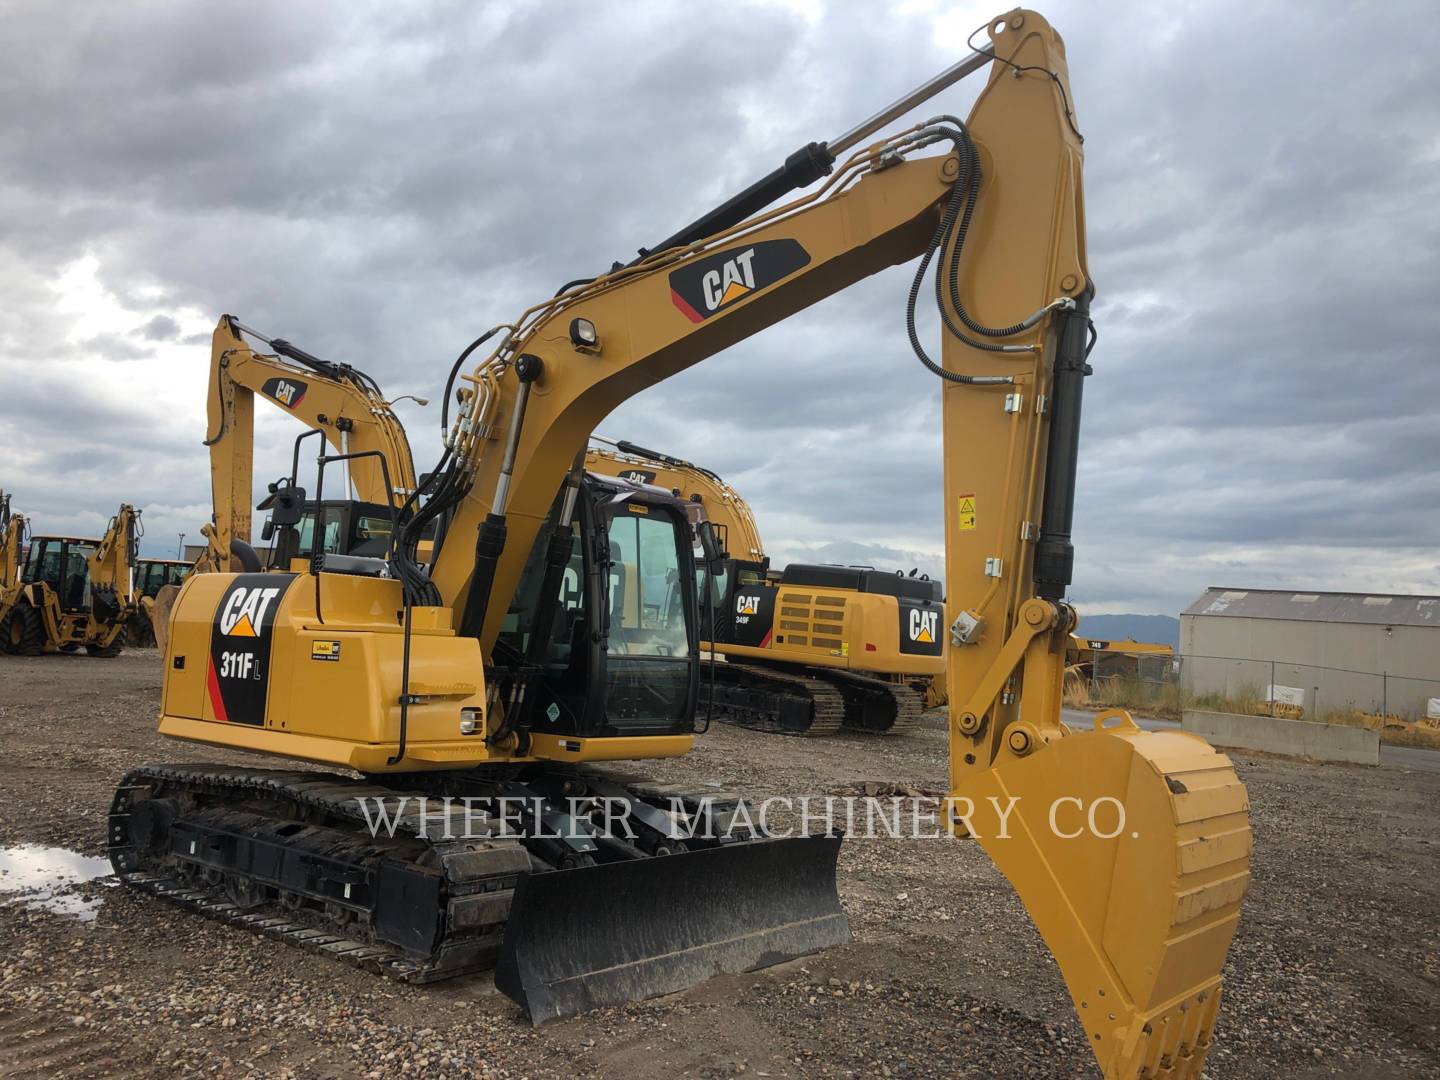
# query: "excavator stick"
{"type": "Point", "coordinates": [1135, 881]}
{"type": "Point", "coordinates": [604, 935]}
{"type": "Point", "coordinates": [1130, 849]}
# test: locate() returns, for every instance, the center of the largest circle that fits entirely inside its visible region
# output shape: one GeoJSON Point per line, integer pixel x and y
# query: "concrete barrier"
{"type": "Point", "coordinates": [1298, 738]}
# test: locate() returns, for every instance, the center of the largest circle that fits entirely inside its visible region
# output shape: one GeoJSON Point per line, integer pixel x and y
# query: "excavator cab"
{"type": "Point", "coordinates": [346, 527]}
{"type": "Point", "coordinates": [729, 577]}
{"type": "Point", "coordinates": [614, 649]}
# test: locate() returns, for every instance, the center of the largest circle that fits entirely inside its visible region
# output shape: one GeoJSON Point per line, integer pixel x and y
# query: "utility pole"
{"type": "Point", "coordinates": [180, 551]}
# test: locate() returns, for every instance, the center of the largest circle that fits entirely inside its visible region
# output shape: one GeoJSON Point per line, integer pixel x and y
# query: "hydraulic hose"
{"type": "Point", "coordinates": [951, 232]}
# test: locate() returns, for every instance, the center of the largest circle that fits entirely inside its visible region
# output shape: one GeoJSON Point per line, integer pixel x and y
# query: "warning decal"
{"type": "Point", "coordinates": [967, 512]}
{"type": "Point", "coordinates": [325, 650]}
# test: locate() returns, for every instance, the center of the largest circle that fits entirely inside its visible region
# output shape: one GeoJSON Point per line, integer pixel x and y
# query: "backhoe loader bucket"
{"type": "Point", "coordinates": [1138, 910]}
{"type": "Point", "coordinates": [605, 935]}
{"type": "Point", "coordinates": [160, 616]}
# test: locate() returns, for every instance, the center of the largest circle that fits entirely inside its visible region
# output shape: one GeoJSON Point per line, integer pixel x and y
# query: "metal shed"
{"type": "Point", "coordinates": [1378, 652]}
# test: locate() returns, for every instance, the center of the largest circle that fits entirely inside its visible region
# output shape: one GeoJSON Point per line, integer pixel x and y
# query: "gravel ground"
{"type": "Point", "coordinates": [1335, 972]}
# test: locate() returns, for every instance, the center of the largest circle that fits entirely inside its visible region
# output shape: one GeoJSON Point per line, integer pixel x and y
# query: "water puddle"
{"type": "Point", "coordinates": [46, 878]}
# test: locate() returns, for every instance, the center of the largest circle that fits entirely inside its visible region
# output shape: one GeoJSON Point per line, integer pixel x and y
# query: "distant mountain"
{"type": "Point", "coordinates": [1161, 629]}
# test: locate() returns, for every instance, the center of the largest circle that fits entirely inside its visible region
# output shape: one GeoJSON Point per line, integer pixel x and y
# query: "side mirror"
{"type": "Point", "coordinates": [289, 507]}
{"type": "Point", "coordinates": [710, 545]}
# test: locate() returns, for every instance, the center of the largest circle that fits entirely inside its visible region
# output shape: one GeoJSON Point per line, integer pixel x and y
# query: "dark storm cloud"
{"type": "Point", "coordinates": [378, 184]}
{"type": "Point", "coordinates": [161, 328]}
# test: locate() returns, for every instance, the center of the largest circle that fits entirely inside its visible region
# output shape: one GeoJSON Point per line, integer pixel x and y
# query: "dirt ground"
{"type": "Point", "coordinates": [1335, 972]}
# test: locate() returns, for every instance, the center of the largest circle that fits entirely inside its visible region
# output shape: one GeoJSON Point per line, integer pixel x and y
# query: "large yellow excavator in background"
{"type": "Point", "coordinates": [808, 648]}
{"type": "Point", "coordinates": [475, 675]}
{"type": "Point", "coordinates": [70, 592]}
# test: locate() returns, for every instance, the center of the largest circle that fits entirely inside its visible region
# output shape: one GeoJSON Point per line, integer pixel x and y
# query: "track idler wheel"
{"type": "Point", "coordinates": [150, 821]}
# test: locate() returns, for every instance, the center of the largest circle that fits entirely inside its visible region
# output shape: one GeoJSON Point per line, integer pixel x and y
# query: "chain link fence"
{"type": "Point", "coordinates": [1232, 684]}
{"type": "Point", "coordinates": [1317, 690]}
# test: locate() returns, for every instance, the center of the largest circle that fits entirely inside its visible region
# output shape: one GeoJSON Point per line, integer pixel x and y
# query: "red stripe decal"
{"type": "Point", "coordinates": [217, 702]}
{"type": "Point", "coordinates": [685, 309]}
{"type": "Point", "coordinates": [765, 641]}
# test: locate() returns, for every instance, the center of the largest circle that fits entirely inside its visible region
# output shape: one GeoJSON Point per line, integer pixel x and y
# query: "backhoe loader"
{"type": "Point", "coordinates": [151, 576]}
{"type": "Point", "coordinates": [71, 592]}
{"type": "Point", "coordinates": [808, 648]}
{"type": "Point", "coordinates": [483, 677]}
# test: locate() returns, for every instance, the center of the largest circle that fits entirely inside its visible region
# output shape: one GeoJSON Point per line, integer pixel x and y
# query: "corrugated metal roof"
{"type": "Point", "coordinates": [1377, 609]}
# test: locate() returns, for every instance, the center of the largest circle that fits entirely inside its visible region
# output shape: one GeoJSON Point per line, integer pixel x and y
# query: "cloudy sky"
{"type": "Point", "coordinates": [379, 182]}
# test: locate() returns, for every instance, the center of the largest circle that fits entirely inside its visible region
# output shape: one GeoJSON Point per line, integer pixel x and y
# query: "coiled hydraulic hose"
{"type": "Point", "coordinates": [952, 230]}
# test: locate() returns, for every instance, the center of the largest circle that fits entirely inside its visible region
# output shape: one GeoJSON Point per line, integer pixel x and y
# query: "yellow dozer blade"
{"type": "Point", "coordinates": [1130, 850]}
{"type": "Point", "coordinates": [603, 935]}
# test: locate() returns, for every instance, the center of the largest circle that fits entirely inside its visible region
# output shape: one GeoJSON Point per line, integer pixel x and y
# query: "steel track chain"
{"type": "Point", "coordinates": [828, 704]}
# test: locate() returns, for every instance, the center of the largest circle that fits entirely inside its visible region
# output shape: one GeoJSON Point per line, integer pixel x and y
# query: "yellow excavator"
{"type": "Point", "coordinates": [1092, 659]}
{"type": "Point", "coordinates": [809, 648]}
{"type": "Point", "coordinates": [70, 592]}
{"type": "Point", "coordinates": [341, 403]}
{"type": "Point", "coordinates": [480, 698]}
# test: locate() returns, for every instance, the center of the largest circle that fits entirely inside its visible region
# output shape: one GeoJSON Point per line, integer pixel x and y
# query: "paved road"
{"type": "Point", "coordinates": [1396, 757]}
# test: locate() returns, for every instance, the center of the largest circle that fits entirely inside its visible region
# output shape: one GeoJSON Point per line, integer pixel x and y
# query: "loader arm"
{"type": "Point", "coordinates": [12, 539]}
{"type": "Point", "coordinates": [331, 398]}
{"type": "Point", "coordinates": [12, 545]}
{"type": "Point", "coordinates": [1139, 917]}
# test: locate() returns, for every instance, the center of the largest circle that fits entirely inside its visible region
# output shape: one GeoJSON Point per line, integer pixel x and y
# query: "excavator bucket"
{"type": "Point", "coordinates": [604, 935]}
{"type": "Point", "coordinates": [1130, 849]}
